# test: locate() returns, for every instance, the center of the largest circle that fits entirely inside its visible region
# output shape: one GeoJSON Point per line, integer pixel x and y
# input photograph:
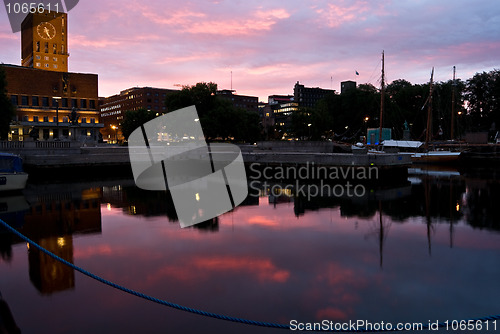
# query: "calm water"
{"type": "Point", "coordinates": [426, 250]}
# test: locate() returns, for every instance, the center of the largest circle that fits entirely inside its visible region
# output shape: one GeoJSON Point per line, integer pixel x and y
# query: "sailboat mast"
{"type": "Point", "coordinates": [453, 84]}
{"type": "Point", "coordinates": [382, 94]}
{"type": "Point", "coordinates": [428, 130]}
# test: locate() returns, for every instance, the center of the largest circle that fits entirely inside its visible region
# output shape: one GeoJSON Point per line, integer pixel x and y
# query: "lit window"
{"type": "Point", "coordinates": [54, 58]}
{"type": "Point", "coordinates": [55, 65]}
{"type": "Point", "coordinates": [47, 65]}
{"type": "Point", "coordinates": [37, 64]}
{"type": "Point", "coordinates": [38, 57]}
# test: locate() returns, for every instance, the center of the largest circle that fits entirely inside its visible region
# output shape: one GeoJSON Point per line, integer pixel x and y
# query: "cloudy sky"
{"type": "Point", "coordinates": [269, 45]}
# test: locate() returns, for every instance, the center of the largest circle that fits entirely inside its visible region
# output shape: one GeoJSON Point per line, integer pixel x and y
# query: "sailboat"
{"type": "Point", "coordinates": [433, 156]}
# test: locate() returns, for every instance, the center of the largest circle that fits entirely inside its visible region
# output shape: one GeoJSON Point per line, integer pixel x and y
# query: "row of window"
{"type": "Point", "coordinates": [46, 48]}
{"type": "Point", "coordinates": [54, 119]}
{"type": "Point", "coordinates": [37, 101]}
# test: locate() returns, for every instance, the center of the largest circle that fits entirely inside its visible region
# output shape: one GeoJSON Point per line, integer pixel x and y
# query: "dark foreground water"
{"type": "Point", "coordinates": [424, 251]}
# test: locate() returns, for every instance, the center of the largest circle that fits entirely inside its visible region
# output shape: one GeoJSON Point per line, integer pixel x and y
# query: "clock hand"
{"type": "Point", "coordinates": [46, 31]}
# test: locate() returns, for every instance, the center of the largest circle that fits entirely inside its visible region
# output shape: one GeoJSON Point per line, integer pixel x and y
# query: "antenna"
{"type": "Point", "coordinates": [382, 93]}
{"type": "Point", "coordinates": [453, 84]}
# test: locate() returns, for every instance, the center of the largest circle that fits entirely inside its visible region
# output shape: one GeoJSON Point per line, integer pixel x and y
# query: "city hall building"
{"type": "Point", "coordinates": [51, 103]}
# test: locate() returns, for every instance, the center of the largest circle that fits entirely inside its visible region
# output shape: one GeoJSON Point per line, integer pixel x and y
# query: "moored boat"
{"type": "Point", "coordinates": [12, 175]}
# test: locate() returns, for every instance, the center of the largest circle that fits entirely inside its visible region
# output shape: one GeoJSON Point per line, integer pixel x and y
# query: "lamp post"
{"type": "Point", "coordinates": [56, 100]}
{"type": "Point", "coordinates": [114, 127]}
{"type": "Point", "coordinates": [366, 119]}
{"type": "Point", "coordinates": [309, 127]}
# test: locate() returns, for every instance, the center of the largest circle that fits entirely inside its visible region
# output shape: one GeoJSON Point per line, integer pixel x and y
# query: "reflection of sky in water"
{"type": "Point", "coordinates": [264, 263]}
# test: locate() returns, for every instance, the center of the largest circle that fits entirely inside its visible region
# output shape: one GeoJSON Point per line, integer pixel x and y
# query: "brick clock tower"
{"type": "Point", "coordinates": [44, 41]}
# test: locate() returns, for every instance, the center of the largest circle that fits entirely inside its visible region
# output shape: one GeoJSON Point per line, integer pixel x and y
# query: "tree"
{"type": "Point", "coordinates": [483, 96]}
{"type": "Point", "coordinates": [135, 118]}
{"type": "Point", "coordinates": [7, 109]}
{"type": "Point", "coordinates": [220, 120]}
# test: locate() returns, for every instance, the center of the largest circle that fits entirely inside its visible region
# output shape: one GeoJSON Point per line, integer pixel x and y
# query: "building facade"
{"type": "Point", "coordinates": [346, 86]}
{"type": "Point", "coordinates": [112, 109]}
{"type": "Point", "coordinates": [249, 103]}
{"type": "Point", "coordinates": [51, 103]}
{"type": "Point", "coordinates": [307, 97]}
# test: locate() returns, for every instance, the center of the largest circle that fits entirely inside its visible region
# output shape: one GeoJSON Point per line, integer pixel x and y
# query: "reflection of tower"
{"type": "Point", "coordinates": [47, 274]}
{"type": "Point", "coordinates": [56, 214]}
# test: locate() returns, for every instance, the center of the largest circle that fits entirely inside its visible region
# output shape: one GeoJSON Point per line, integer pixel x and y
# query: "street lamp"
{"type": "Point", "coordinates": [309, 127]}
{"type": "Point", "coordinates": [56, 100]}
{"type": "Point", "coordinates": [114, 127]}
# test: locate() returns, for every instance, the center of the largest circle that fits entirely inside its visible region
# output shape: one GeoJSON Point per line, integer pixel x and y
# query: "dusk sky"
{"type": "Point", "coordinates": [269, 45]}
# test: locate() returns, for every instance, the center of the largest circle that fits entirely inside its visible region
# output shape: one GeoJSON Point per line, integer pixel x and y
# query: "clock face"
{"type": "Point", "coordinates": [46, 30]}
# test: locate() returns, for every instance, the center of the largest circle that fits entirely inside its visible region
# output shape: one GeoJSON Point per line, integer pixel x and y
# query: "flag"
{"type": "Point", "coordinates": [357, 73]}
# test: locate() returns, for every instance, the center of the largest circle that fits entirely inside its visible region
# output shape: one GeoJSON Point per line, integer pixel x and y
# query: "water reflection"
{"type": "Point", "coordinates": [54, 214]}
{"type": "Point", "coordinates": [402, 253]}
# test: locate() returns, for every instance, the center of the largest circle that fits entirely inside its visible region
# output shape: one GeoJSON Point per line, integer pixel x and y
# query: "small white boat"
{"type": "Point", "coordinates": [12, 176]}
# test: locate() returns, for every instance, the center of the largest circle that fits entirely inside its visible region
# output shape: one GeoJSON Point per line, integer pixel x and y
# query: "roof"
{"type": "Point", "coordinates": [402, 143]}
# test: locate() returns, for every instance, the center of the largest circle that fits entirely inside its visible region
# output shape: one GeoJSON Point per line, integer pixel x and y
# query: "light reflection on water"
{"type": "Point", "coordinates": [418, 252]}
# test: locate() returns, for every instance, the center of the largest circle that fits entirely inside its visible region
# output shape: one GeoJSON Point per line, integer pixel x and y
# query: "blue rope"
{"type": "Point", "coordinates": [189, 309]}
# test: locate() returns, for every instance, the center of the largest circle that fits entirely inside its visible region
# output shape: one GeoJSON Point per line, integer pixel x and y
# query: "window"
{"type": "Point", "coordinates": [73, 103]}
{"type": "Point", "coordinates": [54, 58]}
{"type": "Point", "coordinates": [55, 65]}
{"type": "Point", "coordinates": [84, 119]}
{"type": "Point", "coordinates": [92, 120]}
{"type": "Point", "coordinates": [13, 99]}
{"type": "Point", "coordinates": [38, 57]}
{"type": "Point", "coordinates": [45, 133]}
{"type": "Point", "coordinates": [62, 49]}
{"type": "Point", "coordinates": [92, 104]}
{"type": "Point", "coordinates": [64, 102]}
{"type": "Point", "coordinates": [65, 119]}
{"type": "Point", "coordinates": [46, 58]}
{"type": "Point", "coordinates": [37, 64]}
{"type": "Point", "coordinates": [24, 100]}
{"type": "Point", "coordinates": [65, 132]}
{"type": "Point", "coordinates": [35, 118]}
{"type": "Point", "coordinates": [47, 65]}
{"type": "Point", "coordinates": [54, 119]}
{"type": "Point", "coordinates": [54, 48]}
{"type": "Point", "coordinates": [25, 118]}
{"type": "Point", "coordinates": [46, 47]}
{"type": "Point", "coordinates": [45, 118]}
{"type": "Point", "coordinates": [83, 103]}
{"type": "Point", "coordinates": [37, 46]}
{"type": "Point", "coordinates": [45, 101]}
{"type": "Point", "coordinates": [34, 101]}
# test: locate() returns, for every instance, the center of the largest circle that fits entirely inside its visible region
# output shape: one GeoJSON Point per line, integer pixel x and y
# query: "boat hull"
{"type": "Point", "coordinates": [13, 181]}
{"type": "Point", "coordinates": [436, 157]}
